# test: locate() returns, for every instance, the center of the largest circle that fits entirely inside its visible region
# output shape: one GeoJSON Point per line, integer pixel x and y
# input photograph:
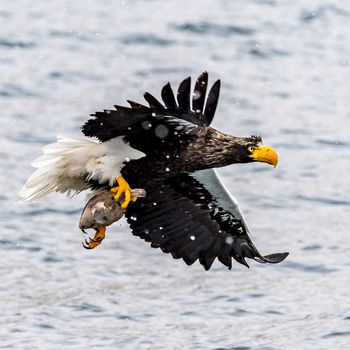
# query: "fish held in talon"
{"type": "Point", "coordinates": [102, 210]}
{"type": "Point", "coordinates": [169, 148]}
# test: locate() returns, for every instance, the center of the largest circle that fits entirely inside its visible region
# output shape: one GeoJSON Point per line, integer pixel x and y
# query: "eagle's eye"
{"type": "Point", "coordinates": [252, 148]}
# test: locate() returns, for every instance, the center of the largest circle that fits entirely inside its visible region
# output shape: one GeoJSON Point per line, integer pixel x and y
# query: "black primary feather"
{"type": "Point", "coordinates": [168, 97]}
{"type": "Point", "coordinates": [181, 217]}
{"type": "Point", "coordinates": [119, 122]}
{"type": "Point", "coordinates": [153, 102]}
{"type": "Point", "coordinates": [183, 95]}
{"type": "Point", "coordinates": [212, 102]}
{"type": "Point", "coordinates": [199, 93]}
{"type": "Point", "coordinates": [138, 106]}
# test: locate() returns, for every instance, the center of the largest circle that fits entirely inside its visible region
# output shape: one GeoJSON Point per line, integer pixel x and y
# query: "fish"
{"type": "Point", "coordinates": [102, 210]}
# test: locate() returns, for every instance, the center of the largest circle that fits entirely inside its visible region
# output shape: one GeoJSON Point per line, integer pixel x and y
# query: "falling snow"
{"type": "Point", "coordinates": [229, 240]}
{"type": "Point", "coordinates": [161, 131]}
{"type": "Point", "coordinates": [146, 125]}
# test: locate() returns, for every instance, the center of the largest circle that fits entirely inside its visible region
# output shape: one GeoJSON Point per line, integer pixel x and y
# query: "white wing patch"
{"type": "Point", "coordinates": [212, 182]}
{"type": "Point", "coordinates": [66, 164]}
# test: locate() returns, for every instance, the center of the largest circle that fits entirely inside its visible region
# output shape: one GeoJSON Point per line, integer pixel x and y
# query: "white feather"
{"type": "Point", "coordinates": [66, 164]}
{"type": "Point", "coordinates": [216, 187]}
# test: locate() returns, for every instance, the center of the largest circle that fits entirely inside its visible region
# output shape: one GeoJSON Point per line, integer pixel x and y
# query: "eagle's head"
{"type": "Point", "coordinates": [251, 149]}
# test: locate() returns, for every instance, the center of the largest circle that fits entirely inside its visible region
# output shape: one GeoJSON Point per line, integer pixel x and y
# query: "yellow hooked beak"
{"type": "Point", "coordinates": [265, 154]}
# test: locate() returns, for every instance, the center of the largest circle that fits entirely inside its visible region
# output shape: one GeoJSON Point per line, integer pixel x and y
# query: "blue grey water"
{"type": "Point", "coordinates": [285, 70]}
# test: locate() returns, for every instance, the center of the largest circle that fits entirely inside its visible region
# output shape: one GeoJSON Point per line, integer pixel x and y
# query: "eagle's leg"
{"type": "Point", "coordinates": [123, 188]}
{"type": "Point", "coordinates": [92, 243]}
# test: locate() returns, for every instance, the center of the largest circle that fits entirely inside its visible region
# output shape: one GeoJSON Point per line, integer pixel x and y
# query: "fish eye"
{"type": "Point", "coordinates": [252, 148]}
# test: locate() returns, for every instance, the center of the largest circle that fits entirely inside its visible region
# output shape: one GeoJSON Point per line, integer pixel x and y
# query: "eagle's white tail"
{"type": "Point", "coordinates": [62, 168]}
{"type": "Point", "coordinates": [67, 164]}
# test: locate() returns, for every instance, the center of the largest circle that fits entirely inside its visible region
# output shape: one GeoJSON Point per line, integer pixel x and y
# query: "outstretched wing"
{"type": "Point", "coordinates": [171, 116]}
{"type": "Point", "coordinates": [193, 217]}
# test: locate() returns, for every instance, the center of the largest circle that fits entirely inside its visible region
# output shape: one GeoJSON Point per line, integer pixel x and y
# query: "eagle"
{"type": "Point", "coordinates": [170, 150]}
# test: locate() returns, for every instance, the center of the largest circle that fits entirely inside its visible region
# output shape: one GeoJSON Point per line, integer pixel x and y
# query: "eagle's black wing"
{"type": "Point", "coordinates": [174, 114]}
{"type": "Point", "coordinates": [183, 217]}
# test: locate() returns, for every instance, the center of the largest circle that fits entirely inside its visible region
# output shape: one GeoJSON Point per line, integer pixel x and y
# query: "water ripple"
{"type": "Point", "coordinates": [335, 143]}
{"type": "Point", "coordinates": [15, 90]}
{"type": "Point", "coordinates": [214, 28]}
{"type": "Point", "coordinates": [16, 44]}
{"type": "Point", "coordinates": [42, 212]}
{"type": "Point", "coordinates": [336, 334]}
{"type": "Point", "coordinates": [321, 268]}
{"type": "Point", "coordinates": [320, 12]}
{"type": "Point", "coordinates": [313, 247]}
{"type": "Point", "coordinates": [273, 312]}
{"type": "Point", "coordinates": [45, 326]}
{"type": "Point", "coordinates": [326, 201]}
{"type": "Point", "coordinates": [235, 348]}
{"type": "Point", "coordinates": [146, 39]}
{"type": "Point", "coordinates": [85, 307]}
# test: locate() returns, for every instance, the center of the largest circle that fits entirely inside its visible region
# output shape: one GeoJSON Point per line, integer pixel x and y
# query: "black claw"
{"type": "Point", "coordinates": [84, 231]}
{"type": "Point", "coordinates": [86, 245]}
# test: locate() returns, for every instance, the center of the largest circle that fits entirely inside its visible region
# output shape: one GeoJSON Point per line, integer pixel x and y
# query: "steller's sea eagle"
{"type": "Point", "coordinates": [171, 151]}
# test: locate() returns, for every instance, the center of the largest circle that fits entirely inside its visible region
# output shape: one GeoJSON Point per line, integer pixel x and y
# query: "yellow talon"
{"type": "Point", "coordinates": [92, 243]}
{"type": "Point", "coordinates": [123, 188]}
